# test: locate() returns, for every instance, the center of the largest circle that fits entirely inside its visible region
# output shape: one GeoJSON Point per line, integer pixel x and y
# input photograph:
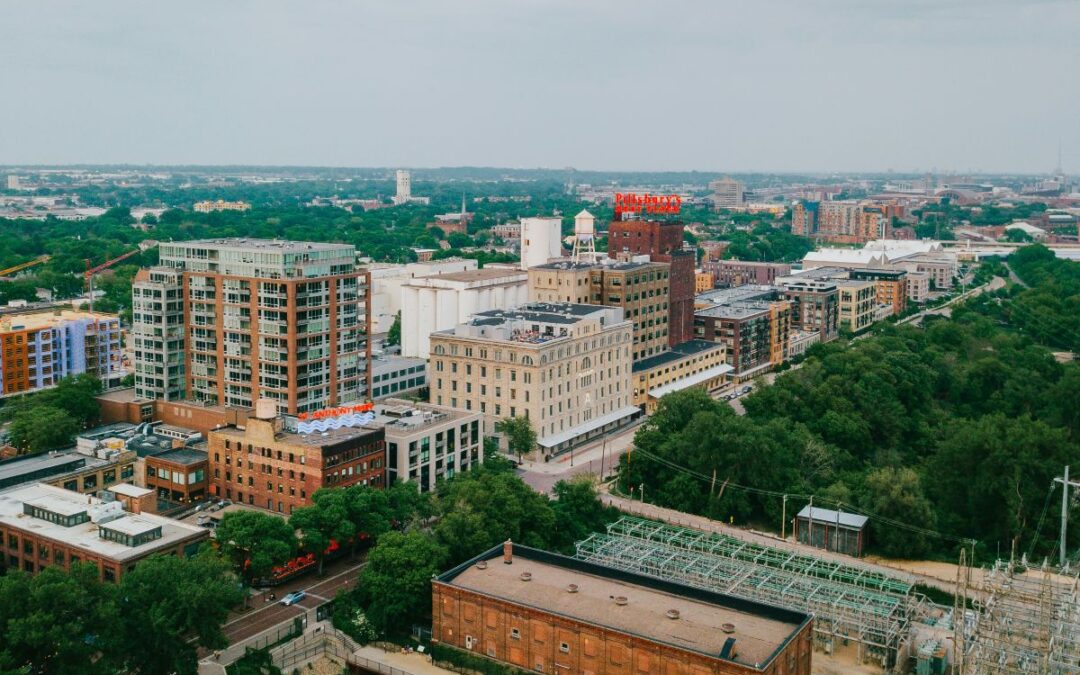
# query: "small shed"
{"type": "Point", "coordinates": [831, 530]}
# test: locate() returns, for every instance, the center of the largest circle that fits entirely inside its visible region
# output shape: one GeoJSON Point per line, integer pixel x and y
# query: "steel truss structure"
{"type": "Point", "coordinates": [1024, 624]}
{"type": "Point", "coordinates": [850, 602]}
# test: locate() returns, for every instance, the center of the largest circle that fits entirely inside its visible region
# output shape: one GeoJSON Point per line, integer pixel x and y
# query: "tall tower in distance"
{"type": "Point", "coordinates": [404, 187]}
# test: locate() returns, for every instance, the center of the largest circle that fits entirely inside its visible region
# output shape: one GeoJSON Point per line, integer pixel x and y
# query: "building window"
{"type": "Point", "coordinates": [564, 648]}
{"type": "Point", "coordinates": [515, 634]}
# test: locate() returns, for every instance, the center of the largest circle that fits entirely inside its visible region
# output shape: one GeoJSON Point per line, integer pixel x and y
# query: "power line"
{"type": "Point", "coordinates": [775, 493]}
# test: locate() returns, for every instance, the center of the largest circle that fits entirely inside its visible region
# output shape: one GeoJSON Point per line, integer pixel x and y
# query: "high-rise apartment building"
{"type": "Point", "coordinates": [41, 348]}
{"type": "Point", "coordinates": [662, 241]}
{"type": "Point", "coordinates": [271, 319]}
{"type": "Point", "coordinates": [640, 288]}
{"type": "Point", "coordinates": [157, 331]}
{"type": "Point", "coordinates": [565, 367]}
{"type": "Point", "coordinates": [727, 193]}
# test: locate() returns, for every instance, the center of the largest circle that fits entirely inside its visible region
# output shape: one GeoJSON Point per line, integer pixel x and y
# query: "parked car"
{"type": "Point", "coordinates": [293, 598]}
{"type": "Point", "coordinates": [746, 390]}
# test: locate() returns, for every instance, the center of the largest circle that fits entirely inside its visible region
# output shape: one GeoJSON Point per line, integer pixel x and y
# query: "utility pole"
{"type": "Point", "coordinates": [783, 520]}
{"type": "Point", "coordinates": [1065, 483]}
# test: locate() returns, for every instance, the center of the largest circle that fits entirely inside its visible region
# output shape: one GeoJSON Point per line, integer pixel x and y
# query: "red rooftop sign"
{"type": "Point", "coordinates": [337, 412]}
{"type": "Point", "coordinates": [630, 202]}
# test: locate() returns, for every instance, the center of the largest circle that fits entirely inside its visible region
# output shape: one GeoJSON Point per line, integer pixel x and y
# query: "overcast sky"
{"type": "Point", "coordinates": [715, 85]}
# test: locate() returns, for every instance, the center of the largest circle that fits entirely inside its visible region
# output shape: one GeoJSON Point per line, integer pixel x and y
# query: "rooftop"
{"type": "Point", "coordinates": [741, 310]}
{"type": "Point", "coordinates": [744, 293]}
{"type": "Point", "coordinates": [759, 630]}
{"type": "Point", "coordinates": [831, 516]}
{"type": "Point", "coordinates": [184, 456]}
{"type": "Point", "coordinates": [485, 274]}
{"type": "Point", "coordinates": [677, 353]}
{"type": "Point", "coordinates": [18, 469]}
{"type": "Point", "coordinates": [248, 244]}
{"type": "Point", "coordinates": [85, 535]}
{"type": "Point", "coordinates": [50, 318]}
{"type": "Point", "coordinates": [129, 490]}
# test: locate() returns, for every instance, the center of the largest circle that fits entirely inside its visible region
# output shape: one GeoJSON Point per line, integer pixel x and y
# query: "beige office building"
{"type": "Point", "coordinates": [641, 289]}
{"type": "Point", "coordinates": [566, 367]}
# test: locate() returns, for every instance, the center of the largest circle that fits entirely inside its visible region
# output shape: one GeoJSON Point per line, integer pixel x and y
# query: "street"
{"type": "Point", "coordinates": [266, 614]}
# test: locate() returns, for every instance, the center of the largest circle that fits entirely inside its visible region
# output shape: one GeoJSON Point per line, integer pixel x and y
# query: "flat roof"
{"type": "Point", "coordinates": [185, 456]}
{"type": "Point", "coordinates": [760, 630]}
{"type": "Point", "coordinates": [129, 490]}
{"type": "Point", "coordinates": [485, 274]}
{"type": "Point", "coordinates": [734, 311]}
{"type": "Point", "coordinates": [677, 353]}
{"type": "Point", "coordinates": [282, 245]}
{"type": "Point", "coordinates": [49, 317]}
{"type": "Point", "coordinates": [691, 380]}
{"type": "Point", "coordinates": [59, 463]}
{"type": "Point", "coordinates": [85, 536]}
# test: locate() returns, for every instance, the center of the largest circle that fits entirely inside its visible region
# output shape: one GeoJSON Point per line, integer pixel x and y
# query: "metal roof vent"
{"type": "Point", "coordinates": [621, 600]}
{"type": "Point", "coordinates": [572, 588]}
{"type": "Point", "coordinates": [482, 565]}
{"type": "Point", "coordinates": [673, 614]}
{"type": "Point", "coordinates": [526, 576]}
{"type": "Point", "coordinates": [728, 627]}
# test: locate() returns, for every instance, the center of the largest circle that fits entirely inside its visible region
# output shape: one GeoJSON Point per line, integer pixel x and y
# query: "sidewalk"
{"type": "Point", "coordinates": [413, 663]}
{"type": "Point", "coordinates": [594, 452]}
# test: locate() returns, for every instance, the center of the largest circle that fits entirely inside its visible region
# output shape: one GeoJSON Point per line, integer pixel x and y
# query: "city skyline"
{"type": "Point", "coordinates": [823, 86]}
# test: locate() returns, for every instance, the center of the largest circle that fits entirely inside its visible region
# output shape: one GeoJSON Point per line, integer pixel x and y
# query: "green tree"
{"type": "Point", "coordinates": [578, 511]}
{"type": "Point", "coordinates": [482, 508]}
{"type": "Point", "coordinates": [255, 542]}
{"type": "Point", "coordinates": [58, 622]}
{"type": "Point", "coordinates": [77, 396]}
{"type": "Point", "coordinates": [170, 606]}
{"type": "Point", "coordinates": [520, 435]}
{"type": "Point", "coordinates": [393, 337]}
{"type": "Point", "coordinates": [395, 585]}
{"type": "Point", "coordinates": [42, 428]}
{"type": "Point", "coordinates": [459, 240]}
{"type": "Point", "coordinates": [897, 494]}
{"type": "Point", "coordinates": [326, 519]}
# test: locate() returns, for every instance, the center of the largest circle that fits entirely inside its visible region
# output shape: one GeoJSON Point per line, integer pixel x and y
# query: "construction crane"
{"type": "Point", "coordinates": [26, 265]}
{"type": "Point", "coordinates": [88, 275]}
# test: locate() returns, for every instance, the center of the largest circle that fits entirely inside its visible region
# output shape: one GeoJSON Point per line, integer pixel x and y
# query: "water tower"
{"type": "Point", "coordinates": [584, 237]}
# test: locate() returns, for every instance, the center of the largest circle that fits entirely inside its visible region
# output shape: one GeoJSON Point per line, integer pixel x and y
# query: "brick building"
{"type": "Point", "coordinates": [548, 613]}
{"type": "Point", "coordinates": [740, 272]}
{"type": "Point", "coordinates": [178, 475]}
{"type": "Point", "coordinates": [662, 241]}
{"type": "Point", "coordinates": [43, 525]}
{"type": "Point", "coordinates": [276, 466]}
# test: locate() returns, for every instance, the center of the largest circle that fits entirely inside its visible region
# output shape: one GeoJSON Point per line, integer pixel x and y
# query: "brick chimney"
{"type": "Point", "coordinates": [508, 552]}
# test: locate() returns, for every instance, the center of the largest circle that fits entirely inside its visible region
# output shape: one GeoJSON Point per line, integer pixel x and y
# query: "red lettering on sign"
{"type": "Point", "coordinates": [630, 202]}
